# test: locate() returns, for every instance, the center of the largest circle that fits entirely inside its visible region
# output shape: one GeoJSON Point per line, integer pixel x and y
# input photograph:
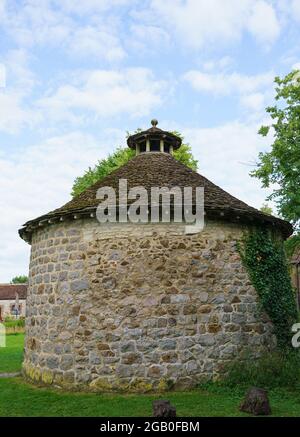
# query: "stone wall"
{"type": "Point", "coordinates": [138, 307]}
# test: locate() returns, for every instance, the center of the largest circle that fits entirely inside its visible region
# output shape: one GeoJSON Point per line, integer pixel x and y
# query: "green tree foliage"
{"type": "Point", "coordinates": [102, 169]}
{"type": "Point", "coordinates": [22, 279]}
{"type": "Point", "coordinates": [266, 209]}
{"type": "Point", "coordinates": [281, 166]}
{"type": "Point", "coordinates": [265, 261]}
{"type": "Point", "coordinates": [184, 154]}
{"type": "Point", "coordinates": [119, 158]}
{"type": "Point", "coordinates": [292, 244]}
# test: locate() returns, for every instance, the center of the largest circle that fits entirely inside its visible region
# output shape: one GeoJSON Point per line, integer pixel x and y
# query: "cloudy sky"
{"type": "Point", "coordinates": [75, 75]}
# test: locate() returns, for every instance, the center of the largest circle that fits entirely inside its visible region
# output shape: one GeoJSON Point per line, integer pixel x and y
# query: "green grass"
{"type": "Point", "coordinates": [13, 323]}
{"type": "Point", "coordinates": [11, 356]}
{"type": "Point", "coordinates": [18, 398]}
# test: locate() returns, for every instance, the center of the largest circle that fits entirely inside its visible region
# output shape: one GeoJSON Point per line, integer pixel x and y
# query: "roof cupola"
{"type": "Point", "coordinates": [154, 140]}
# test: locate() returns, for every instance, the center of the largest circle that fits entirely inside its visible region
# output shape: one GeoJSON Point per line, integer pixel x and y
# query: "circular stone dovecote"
{"type": "Point", "coordinates": [141, 307]}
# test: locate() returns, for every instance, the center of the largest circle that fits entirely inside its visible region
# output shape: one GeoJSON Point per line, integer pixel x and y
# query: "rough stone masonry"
{"type": "Point", "coordinates": [138, 307]}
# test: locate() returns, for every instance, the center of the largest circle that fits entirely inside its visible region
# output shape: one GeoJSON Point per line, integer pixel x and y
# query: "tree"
{"type": "Point", "coordinates": [281, 165]}
{"type": "Point", "coordinates": [266, 209]}
{"type": "Point", "coordinates": [22, 279]}
{"type": "Point", "coordinates": [119, 158]}
{"type": "Point", "coordinates": [292, 245]}
{"type": "Point", "coordinates": [102, 169]}
{"type": "Point", "coordinates": [184, 154]}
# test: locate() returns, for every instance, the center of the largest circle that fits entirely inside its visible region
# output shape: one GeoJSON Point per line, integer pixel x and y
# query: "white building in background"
{"type": "Point", "coordinates": [12, 297]}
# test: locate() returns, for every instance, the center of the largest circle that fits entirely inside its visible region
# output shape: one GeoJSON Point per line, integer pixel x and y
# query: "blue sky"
{"type": "Point", "coordinates": [76, 75]}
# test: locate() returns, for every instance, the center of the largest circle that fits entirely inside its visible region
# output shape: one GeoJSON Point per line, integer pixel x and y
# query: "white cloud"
{"type": "Point", "coordinates": [2, 76]}
{"type": "Point", "coordinates": [218, 64]}
{"type": "Point", "coordinates": [227, 83]}
{"type": "Point", "coordinates": [38, 179]}
{"type": "Point", "coordinates": [37, 22]}
{"type": "Point", "coordinates": [254, 101]}
{"type": "Point", "coordinates": [18, 72]}
{"type": "Point", "coordinates": [15, 113]}
{"type": "Point", "coordinates": [263, 23]}
{"type": "Point", "coordinates": [2, 10]}
{"type": "Point", "coordinates": [99, 43]}
{"type": "Point", "coordinates": [96, 27]}
{"type": "Point", "coordinates": [41, 23]}
{"type": "Point", "coordinates": [199, 23]}
{"type": "Point", "coordinates": [90, 6]}
{"type": "Point", "coordinates": [148, 38]}
{"type": "Point", "coordinates": [294, 8]}
{"type": "Point", "coordinates": [253, 92]}
{"type": "Point", "coordinates": [106, 93]}
{"type": "Point", "coordinates": [226, 155]}
{"type": "Point", "coordinates": [296, 66]}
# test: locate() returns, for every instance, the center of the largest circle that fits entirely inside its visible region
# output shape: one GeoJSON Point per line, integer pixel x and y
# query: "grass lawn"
{"type": "Point", "coordinates": [18, 398]}
{"type": "Point", "coordinates": [11, 356]}
{"type": "Point", "coordinates": [21, 399]}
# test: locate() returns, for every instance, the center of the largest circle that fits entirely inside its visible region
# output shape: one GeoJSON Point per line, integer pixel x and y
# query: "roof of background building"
{"type": "Point", "coordinates": [156, 169]}
{"type": "Point", "coordinates": [8, 291]}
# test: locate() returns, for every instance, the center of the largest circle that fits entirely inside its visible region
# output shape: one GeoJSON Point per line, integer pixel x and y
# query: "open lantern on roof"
{"type": "Point", "coordinates": [154, 140]}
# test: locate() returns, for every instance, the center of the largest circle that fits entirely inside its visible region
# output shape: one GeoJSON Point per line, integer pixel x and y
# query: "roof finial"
{"type": "Point", "coordinates": [154, 122]}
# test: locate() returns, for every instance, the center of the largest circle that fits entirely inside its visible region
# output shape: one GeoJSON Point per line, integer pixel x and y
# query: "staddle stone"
{"type": "Point", "coordinates": [163, 408]}
{"type": "Point", "coordinates": [256, 402]}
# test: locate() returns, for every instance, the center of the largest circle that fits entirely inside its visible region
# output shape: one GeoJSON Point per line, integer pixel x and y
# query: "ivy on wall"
{"type": "Point", "coordinates": [265, 261]}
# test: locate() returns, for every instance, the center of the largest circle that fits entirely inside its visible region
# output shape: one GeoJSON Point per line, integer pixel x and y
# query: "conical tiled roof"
{"type": "Point", "coordinates": [161, 169]}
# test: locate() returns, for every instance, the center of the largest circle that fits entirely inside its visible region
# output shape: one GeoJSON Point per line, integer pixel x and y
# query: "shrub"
{"type": "Point", "coordinates": [9, 322]}
{"type": "Point", "coordinates": [271, 370]}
